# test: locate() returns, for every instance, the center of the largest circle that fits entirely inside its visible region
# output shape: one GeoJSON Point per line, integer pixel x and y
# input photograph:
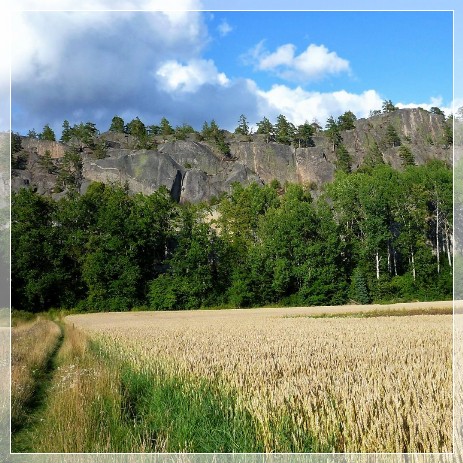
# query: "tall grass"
{"type": "Point", "coordinates": [4, 394]}
{"type": "Point", "coordinates": [32, 345]}
{"type": "Point", "coordinates": [99, 404]}
{"type": "Point", "coordinates": [4, 317]}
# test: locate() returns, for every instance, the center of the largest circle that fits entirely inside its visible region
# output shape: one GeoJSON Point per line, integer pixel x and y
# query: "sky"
{"type": "Point", "coordinates": [195, 66]}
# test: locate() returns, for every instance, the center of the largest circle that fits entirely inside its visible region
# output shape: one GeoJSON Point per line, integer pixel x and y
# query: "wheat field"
{"type": "Point", "coordinates": [380, 384]}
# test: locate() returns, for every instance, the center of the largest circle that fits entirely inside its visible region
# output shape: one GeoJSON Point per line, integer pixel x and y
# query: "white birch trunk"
{"type": "Point", "coordinates": [448, 245]}
{"type": "Point", "coordinates": [389, 265]}
{"type": "Point", "coordinates": [378, 259]}
{"type": "Point", "coordinates": [437, 237]}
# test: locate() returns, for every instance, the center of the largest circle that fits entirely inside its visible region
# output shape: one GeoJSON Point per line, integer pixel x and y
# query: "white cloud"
{"type": "Point", "coordinates": [433, 102]}
{"type": "Point", "coordinates": [107, 5]}
{"type": "Point", "coordinates": [47, 43]}
{"type": "Point", "coordinates": [85, 66]}
{"type": "Point", "coordinates": [224, 28]}
{"type": "Point", "coordinates": [315, 63]}
{"type": "Point", "coordinates": [66, 63]}
{"type": "Point", "coordinates": [174, 76]}
{"type": "Point", "coordinates": [283, 56]}
{"type": "Point", "coordinates": [299, 105]}
{"type": "Point", "coordinates": [5, 72]}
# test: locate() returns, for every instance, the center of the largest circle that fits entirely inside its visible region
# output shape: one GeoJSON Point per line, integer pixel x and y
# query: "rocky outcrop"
{"type": "Point", "coordinates": [145, 171]}
{"type": "Point", "coordinates": [418, 129]}
{"type": "Point", "coordinates": [194, 171]}
{"type": "Point", "coordinates": [4, 190]}
{"type": "Point", "coordinates": [39, 147]}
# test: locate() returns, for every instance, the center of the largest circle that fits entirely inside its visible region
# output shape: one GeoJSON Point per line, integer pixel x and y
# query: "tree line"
{"type": "Point", "coordinates": [376, 235]}
{"type": "Point", "coordinates": [282, 131]}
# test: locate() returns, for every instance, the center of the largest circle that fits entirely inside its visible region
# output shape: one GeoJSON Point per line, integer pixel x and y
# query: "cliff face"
{"type": "Point", "coordinates": [193, 171]}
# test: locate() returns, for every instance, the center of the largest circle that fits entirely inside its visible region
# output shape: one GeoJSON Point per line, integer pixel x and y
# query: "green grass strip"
{"type": "Point", "coordinates": [170, 415]}
{"type": "Point", "coordinates": [175, 414]}
{"type": "Point", "coordinates": [379, 313]}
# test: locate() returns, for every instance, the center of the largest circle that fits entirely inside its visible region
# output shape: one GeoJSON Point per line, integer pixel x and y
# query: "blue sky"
{"type": "Point", "coordinates": [201, 65]}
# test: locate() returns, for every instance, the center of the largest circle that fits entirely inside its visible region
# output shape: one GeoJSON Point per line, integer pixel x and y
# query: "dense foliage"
{"type": "Point", "coordinates": [373, 235]}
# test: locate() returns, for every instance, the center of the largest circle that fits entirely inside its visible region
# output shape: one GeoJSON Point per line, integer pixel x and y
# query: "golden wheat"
{"type": "Point", "coordinates": [370, 385]}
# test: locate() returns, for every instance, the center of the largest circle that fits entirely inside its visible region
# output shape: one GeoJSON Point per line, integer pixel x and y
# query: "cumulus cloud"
{"type": "Point", "coordinates": [299, 105]}
{"type": "Point", "coordinates": [96, 63]}
{"type": "Point", "coordinates": [5, 73]}
{"type": "Point", "coordinates": [433, 102]}
{"type": "Point", "coordinates": [180, 6]}
{"type": "Point", "coordinates": [224, 28]}
{"type": "Point", "coordinates": [89, 66]}
{"type": "Point", "coordinates": [174, 76]}
{"type": "Point", "coordinates": [314, 63]}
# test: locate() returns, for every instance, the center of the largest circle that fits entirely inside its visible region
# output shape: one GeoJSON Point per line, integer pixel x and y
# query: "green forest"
{"type": "Point", "coordinates": [375, 235]}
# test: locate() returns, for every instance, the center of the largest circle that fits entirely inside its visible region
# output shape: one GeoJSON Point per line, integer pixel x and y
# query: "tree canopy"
{"type": "Point", "coordinates": [374, 235]}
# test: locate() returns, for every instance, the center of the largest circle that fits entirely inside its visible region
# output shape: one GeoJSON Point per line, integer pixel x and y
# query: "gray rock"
{"type": "Point", "coordinates": [144, 171]}
{"type": "Point", "coordinates": [192, 155]}
{"type": "Point", "coordinates": [195, 171]}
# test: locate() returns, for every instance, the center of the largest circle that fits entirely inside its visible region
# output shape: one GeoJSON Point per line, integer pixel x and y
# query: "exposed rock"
{"type": "Point", "coordinates": [34, 176]}
{"type": "Point", "coordinates": [118, 140]}
{"type": "Point", "coordinates": [421, 130]}
{"type": "Point", "coordinates": [195, 171]}
{"type": "Point", "coordinates": [269, 161]}
{"type": "Point", "coordinates": [195, 187]}
{"type": "Point", "coordinates": [192, 155]}
{"type": "Point", "coordinates": [144, 171]}
{"type": "Point", "coordinates": [39, 147]}
{"type": "Point", "coordinates": [4, 190]}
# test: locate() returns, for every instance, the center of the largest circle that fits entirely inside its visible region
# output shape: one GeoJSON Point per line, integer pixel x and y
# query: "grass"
{"type": "Point", "coordinates": [380, 313]}
{"type": "Point", "coordinates": [174, 416]}
{"type": "Point", "coordinates": [100, 403]}
{"type": "Point", "coordinates": [201, 382]}
{"type": "Point", "coordinates": [349, 385]}
{"type": "Point", "coordinates": [34, 345]}
{"type": "Point", "coordinates": [4, 317]}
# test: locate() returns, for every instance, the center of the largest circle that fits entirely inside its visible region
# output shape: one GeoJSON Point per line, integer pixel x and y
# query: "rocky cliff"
{"type": "Point", "coordinates": [194, 171]}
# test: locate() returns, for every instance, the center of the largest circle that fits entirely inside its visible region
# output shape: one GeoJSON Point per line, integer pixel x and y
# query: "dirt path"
{"type": "Point", "coordinates": [20, 441]}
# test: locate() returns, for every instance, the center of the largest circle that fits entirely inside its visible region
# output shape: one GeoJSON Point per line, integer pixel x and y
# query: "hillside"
{"type": "Point", "coordinates": [194, 170]}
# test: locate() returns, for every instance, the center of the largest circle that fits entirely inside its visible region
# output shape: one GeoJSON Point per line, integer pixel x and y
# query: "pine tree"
{"type": "Point", "coordinates": [303, 135]}
{"type": "Point", "coordinates": [66, 133]}
{"type": "Point", "coordinates": [343, 159]}
{"type": "Point", "coordinates": [284, 130]}
{"type": "Point", "coordinates": [46, 162]}
{"type": "Point", "coordinates": [359, 288]}
{"type": "Point", "coordinates": [407, 156]}
{"type": "Point", "coordinates": [243, 127]}
{"type": "Point", "coordinates": [332, 130]}
{"type": "Point", "coordinates": [347, 121]}
{"type": "Point", "coordinates": [392, 137]}
{"type": "Point", "coordinates": [165, 128]}
{"type": "Point", "coordinates": [265, 127]}
{"type": "Point", "coordinates": [388, 106]}
{"type": "Point", "coordinates": [374, 156]}
{"type": "Point", "coordinates": [117, 124]}
{"type": "Point", "coordinates": [47, 134]}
